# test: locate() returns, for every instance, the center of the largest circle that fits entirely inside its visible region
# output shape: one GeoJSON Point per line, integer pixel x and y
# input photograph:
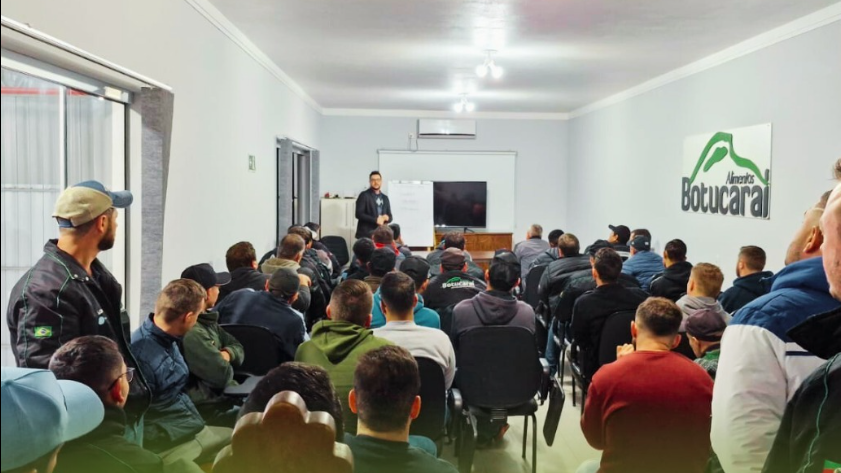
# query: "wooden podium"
{"type": "Point", "coordinates": [483, 241]}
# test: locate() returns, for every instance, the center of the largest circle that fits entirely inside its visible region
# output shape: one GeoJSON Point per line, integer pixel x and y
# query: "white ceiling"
{"type": "Point", "coordinates": [558, 55]}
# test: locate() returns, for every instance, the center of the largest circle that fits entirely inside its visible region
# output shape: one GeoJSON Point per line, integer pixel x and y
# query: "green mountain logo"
{"type": "Point", "coordinates": [720, 153]}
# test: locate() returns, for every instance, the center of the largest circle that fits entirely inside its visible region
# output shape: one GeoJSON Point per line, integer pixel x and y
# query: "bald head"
{"type": "Point", "coordinates": [831, 226]}
{"type": "Point", "coordinates": [809, 238]}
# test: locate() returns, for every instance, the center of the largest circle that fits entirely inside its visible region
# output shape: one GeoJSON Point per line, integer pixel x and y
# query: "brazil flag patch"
{"type": "Point", "coordinates": [831, 467]}
{"type": "Point", "coordinates": [43, 332]}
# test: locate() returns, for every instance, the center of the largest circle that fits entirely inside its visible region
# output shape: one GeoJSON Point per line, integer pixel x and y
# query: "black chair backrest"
{"type": "Point", "coordinates": [498, 366]}
{"type": "Point", "coordinates": [262, 349]}
{"type": "Point", "coordinates": [446, 316]}
{"type": "Point", "coordinates": [531, 296]}
{"type": "Point", "coordinates": [338, 246]}
{"type": "Point", "coordinates": [616, 331]}
{"type": "Point", "coordinates": [433, 393]}
{"type": "Point", "coordinates": [684, 348]}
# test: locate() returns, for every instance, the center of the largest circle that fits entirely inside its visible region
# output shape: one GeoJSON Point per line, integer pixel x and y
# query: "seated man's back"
{"type": "Point", "coordinates": [453, 284]}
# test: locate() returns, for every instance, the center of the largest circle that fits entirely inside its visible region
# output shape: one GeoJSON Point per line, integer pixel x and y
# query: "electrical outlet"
{"type": "Point", "coordinates": [252, 163]}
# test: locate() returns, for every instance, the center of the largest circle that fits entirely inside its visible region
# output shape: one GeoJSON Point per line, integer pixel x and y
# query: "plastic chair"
{"type": "Point", "coordinates": [262, 349]}
{"type": "Point", "coordinates": [433, 393]}
{"type": "Point", "coordinates": [338, 246]}
{"type": "Point", "coordinates": [616, 331]}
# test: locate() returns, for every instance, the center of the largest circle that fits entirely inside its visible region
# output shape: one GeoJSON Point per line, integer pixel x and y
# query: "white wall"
{"type": "Point", "coordinates": [349, 152]}
{"type": "Point", "coordinates": [626, 160]}
{"type": "Point", "coordinates": [226, 107]}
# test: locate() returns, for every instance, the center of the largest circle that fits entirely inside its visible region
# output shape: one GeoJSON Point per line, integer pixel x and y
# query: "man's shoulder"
{"type": "Point", "coordinates": [420, 461]}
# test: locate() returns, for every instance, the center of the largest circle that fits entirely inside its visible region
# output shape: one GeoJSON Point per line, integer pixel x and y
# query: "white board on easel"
{"type": "Point", "coordinates": [411, 207]}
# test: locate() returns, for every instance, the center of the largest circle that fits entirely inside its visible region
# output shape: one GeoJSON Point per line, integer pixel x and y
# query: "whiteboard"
{"type": "Point", "coordinates": [411, 207]}
{"type": "Point", "coordinates": [497, 168]}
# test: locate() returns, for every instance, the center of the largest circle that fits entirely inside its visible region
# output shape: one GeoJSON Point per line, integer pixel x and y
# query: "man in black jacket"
{"type": "Point", "coordinates": [752, 282]}
{"type": "Point", "coordinates": [557, 274]}
{"type": "Point", "coordinates": [241, 260]}
{"type": "Point", "coordinates": [593, 308]}
{"type": "Point", "coordinates": [453, 285]}
{"type": "Point", "coordinates": [69, 293]}
{"type": "Point", "coordinates": [372, 207]}
{"type": "Point", "coordinates": [672, 282]}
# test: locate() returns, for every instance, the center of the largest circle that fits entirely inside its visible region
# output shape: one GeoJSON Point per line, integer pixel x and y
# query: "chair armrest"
{"type": "Point", "coordinates": [545, 380]}
{"type": "Point", "coordinates": [456, 402]}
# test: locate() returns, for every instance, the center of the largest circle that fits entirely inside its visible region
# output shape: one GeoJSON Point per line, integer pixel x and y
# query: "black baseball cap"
{"type": "Point", "coordinates": [621, 231]}
{"type": "Point", "coordinates": [641, 243]}
{"type": "Point", "coordinates": [205, 275]}
{"type": "Point", "coordinates": [285, 281]}
{"type": "Point", "coordinates": [507, 257]}
{"type": "Point", "coordinates": [596, 246]}
{"type": "Point", "coordinates": [416, 268]}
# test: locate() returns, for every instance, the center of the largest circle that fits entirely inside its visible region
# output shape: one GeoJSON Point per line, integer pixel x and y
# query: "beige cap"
{"type": "Point", "coordinates": [86, 201]}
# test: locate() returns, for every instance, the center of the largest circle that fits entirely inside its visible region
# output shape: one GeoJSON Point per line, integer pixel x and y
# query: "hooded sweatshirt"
{"type": "Point", "coordinates": [491, 308]}
{"type": "Point", "coordinates": [691, 304]}
{"type": "Point", "coordinates": [336, 346]}
{"type": "Point", "coordinates": [745, 290]}
{"type": "Point", "coordinates": [672, 282]}
{"type": "Point", "coordinates": [422, 316]}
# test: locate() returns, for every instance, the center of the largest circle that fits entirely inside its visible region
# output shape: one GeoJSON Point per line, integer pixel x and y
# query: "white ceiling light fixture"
{"type": "Point", "coordinates": [489, 66]}
{"type": "Point", "coordinates": [463, 105]}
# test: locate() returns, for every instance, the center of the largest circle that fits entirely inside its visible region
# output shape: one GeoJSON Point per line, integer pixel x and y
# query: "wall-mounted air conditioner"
{"type": "Point", "coordinates": [453, 129]}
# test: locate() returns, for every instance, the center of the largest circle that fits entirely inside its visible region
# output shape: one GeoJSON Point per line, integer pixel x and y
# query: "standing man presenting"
{"type": "Point", "coordinates": [372, 207]}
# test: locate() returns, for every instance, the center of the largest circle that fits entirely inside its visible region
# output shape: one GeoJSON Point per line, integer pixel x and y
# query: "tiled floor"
{"type": "Point", "coordinates": [568, 452]}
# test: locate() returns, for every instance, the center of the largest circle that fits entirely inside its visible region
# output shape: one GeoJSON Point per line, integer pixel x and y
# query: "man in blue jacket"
{"type": "Point", "coordinates": [643, 263]}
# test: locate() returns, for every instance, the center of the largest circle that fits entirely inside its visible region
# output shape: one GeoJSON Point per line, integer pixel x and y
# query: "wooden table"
{"type": "Point", "coordinates": [481, 258]}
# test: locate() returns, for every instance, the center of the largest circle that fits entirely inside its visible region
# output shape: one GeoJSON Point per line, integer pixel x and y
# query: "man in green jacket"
{"type": "Point", "coordinates": [337, 343]}
{"type": "Point", "coordinates": [211, 353]}
{"type": "Point", "coordinates": [96, 362]}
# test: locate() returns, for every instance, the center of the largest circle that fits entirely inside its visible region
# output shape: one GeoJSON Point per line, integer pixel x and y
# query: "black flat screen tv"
{"type": "Point", "coordinates": [461, 204]}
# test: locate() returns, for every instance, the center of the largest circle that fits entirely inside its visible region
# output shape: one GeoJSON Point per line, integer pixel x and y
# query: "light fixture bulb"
{"type": "Point", "coordinates": [470, 106]}
{"type": "Point", "coordinates": [458, 107]}
{"type": "Point", "coordinates": [496, 71]}
{"type": "Point", "coordinates": [482, 70]}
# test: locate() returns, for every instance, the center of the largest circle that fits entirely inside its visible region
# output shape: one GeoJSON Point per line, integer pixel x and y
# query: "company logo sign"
{"type": "Point", "coordinates": [728, 173]}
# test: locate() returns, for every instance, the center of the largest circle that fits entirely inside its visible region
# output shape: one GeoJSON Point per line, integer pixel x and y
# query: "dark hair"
{"type": "Point", "coordinates": [708, 278]}
{"type": "Point", "coordinates": [553, 237]}
{"type": "Point", "coordinates": [383, 235]}
{"type": "Point", "coordinates": [754, 257]}
{"type": "Point", "coordinates": [241, 255]}
{"type": "Point", "coordinates": [838, 169]}
{"type": "Point", "coordinates": [290, 246]}
{"type": "Point", "coordinates": [395, 230]}
{"type": "Point", "coordinates": [311, 382]}
{"type": "Point", "coordinates": [352, 302]}
{"type": "Point", "coordinates": [569, 245]}
{"type": "Point", "coordinates": [415, 263]}
{"type": "Point", "coordinates": [454, 240]}
{"type": "Point", "coordinates": [382, 262]}
{"type": "Point", "coordinates": [374, 173]}
{"type": "Point", "coordinates": [313, 226]}
{"type": "Point", "coordinates": [363, 249]}
{"type": "Point", "coordinates": [659, 316]}
{"type": "Point", "coordinates": [503, 276]}
{"type": "Point", "coordinates": [642, 231]}
{"type": "Point", "coordinates": [41, 464]}
{"type": "Point", "coordinates": [386, 382]}
{"type": "Point", "coordinates": [676, 250]}
{"type": "Point", "coordinates": [302, 232]}
{"type": "Point", "coordinates": [397, 291]}
{"type": "Point", "coordinates": [608, 265]}
{"type": "Point", "coordinates": [93, 360]}
{"type": "Point", "coordinates": [178, 298]}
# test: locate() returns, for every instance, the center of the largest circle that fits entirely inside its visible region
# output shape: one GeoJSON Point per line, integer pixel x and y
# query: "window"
{"type": "Point", "coordinates": [52, 136]}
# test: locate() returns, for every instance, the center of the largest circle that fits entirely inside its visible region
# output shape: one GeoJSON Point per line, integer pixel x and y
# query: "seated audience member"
{"type": "Point", "coordinates": [385, 391]}
{"type": "Point", "coordinates": [810, 432]}
{"type": "Point", "coordinates": [337, 343]}
{"type": "Point", "coordinates": [382, 262]}
{"type": "Point", "coordinates": [454, 240]}
{"type": "Point", "coordinates": [289, 255]}
{"type": "Point", "coordinates": [620, 235]}
{"type": "Point", "coordinates": [672, 282]}
{"type": "Point", "coordinates": [703, 288]}
{"type": "Point", "coordinates": [241, 260]}
{"type": "Point", "coordinates": [363, 249]}
{"type": "Point", "coordinates": [705, 328]}
{"type": "Point", "coordinates": [760, 365]}
{"type": "Point", "coordinates": [271, 309]}
{"type": "Point", "coordinates": [384, 238]}
{"type": "Point", "coordinates": [173, 426]}
{"type": "Point", "coordinates": [398, 240]}
{"type": "Point", "coordinates": [211, 353]}
{"type": "Point", "coordinates": [643, 264]}
{"type": "Point", "coordinates": [418, 269]}
{"type": "Point", "coordinates": [552, 253]}
{"type": "Point", "coordinates": [311, 382]}
{"type": "Point", "coordinates": [592, 309]}
{"type": "Point", "coordinates": [529, 249]}
{"type": "Point", "coordinates": [96, 362]}
{"type": "Point", "coordinates": [557, 274]}
{"type": "Point", "coordinates": [318, 262]}
{"type": "Point", "coordinates": [398, 302]}
{"type": "Point", "coordinates": [322, 249]}
{"type": "Point", "coordinates": [497, 305]}
{"type": "Point", "coordinates": [650, 410]}
{"type": "Point", "coordinates": [751, 282]}
{"type": "Point", "coordinates": [40, 414]}
{"type": "Point", "coordinates": [453, 284]}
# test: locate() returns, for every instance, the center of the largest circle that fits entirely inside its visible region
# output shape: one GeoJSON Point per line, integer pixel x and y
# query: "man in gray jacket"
{"type": "Point", "coordinates": [530, 248]}
{"type": "Point", "coordinates": [702, 291]}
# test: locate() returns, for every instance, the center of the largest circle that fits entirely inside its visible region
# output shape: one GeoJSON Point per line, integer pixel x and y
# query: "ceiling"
{"type": "Point", "coordinates": [558, 55]}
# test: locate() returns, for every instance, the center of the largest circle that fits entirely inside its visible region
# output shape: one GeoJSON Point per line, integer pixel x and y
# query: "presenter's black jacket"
{"type": "Point", "coordinates": [810, 432]}
{"type": "Point", "coordinates": [672, 282]}
{"type": "Point", "coordinates": [366, 212]}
